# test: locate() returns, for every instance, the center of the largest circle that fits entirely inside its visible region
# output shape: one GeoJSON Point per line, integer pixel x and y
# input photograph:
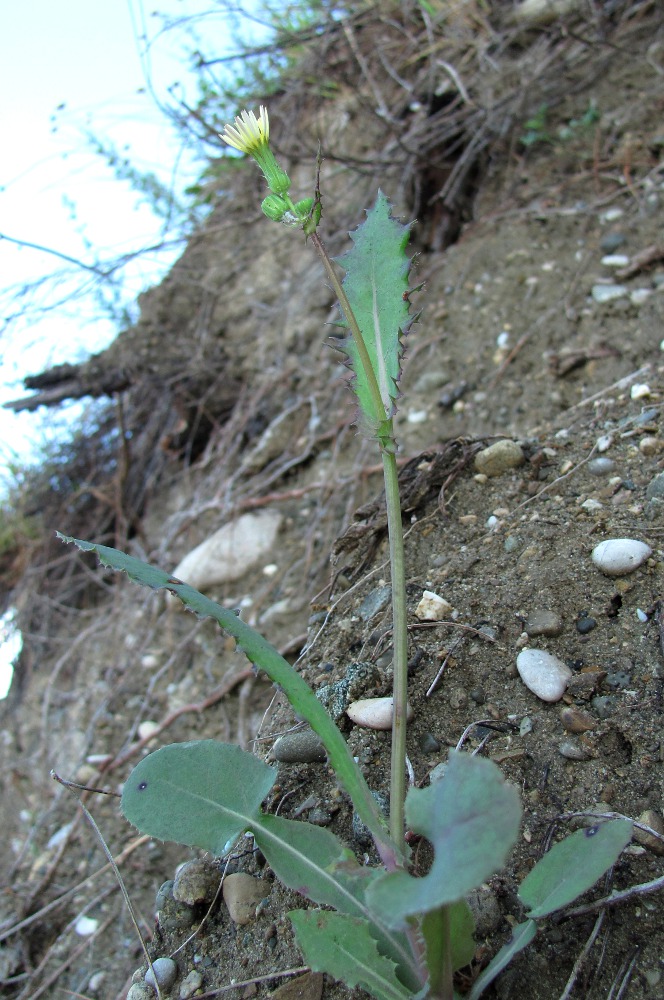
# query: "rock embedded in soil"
{"type": "Point", "coordinates": [432, 608]}
{"type": "Point", "coordinates": [164, 971]}
{"type": "Point", "coordinates": [196, 882]}
{"type": "Point", "coordinates": [619, 556]}
{"type": "Point", "coordinates": [141, 991]}
{"type": "Point", "coordinates": [498, 458]}
{"type": "Point", "coordinates": [543, 673]}
{"type": "Point", "coordinates": [574, 720]}
{"type": "Point", "coordinates": [230, 552]}
{"type": "Point", "coordinates": [304, 747]}
{"type": "Point", "coordinates": [242, 894]}
{"type": "Point", "coordinates": [544, 623]}
{"type": "Point", "coordinates": [307, 987]}
{"type": "Point", "coordinates": [655, 822]}
{"type": "Point", "coordinates": [373, 713]}
{"type": "Point", "coordinates": [190, 984]}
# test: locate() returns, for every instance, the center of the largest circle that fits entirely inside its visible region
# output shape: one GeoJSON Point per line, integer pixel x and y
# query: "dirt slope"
{"type": "Point", "coordinates": [513, 342]}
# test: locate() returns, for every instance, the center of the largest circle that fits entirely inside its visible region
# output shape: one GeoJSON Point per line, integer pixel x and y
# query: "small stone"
{"type": "Point", "coordinates": [373, 713]}
{"type": "Point", "coordinates": [615, 260]}
{"type": "Point", "coordinates": [640, 391]}
{"type": "Point", "coordinates": [303, 747]}
{"type": "Point", "coordinates": [611, 242]}
{"type": "Point", "coordinates": [543, 674]}
{"type": "Point", "coordinates": [190, 984]}
{"type": "Point", "coordinates": [619, 556]}
{"type": "Point", "coordinates": [374, 603]}
{"type": "Point", "coordinates": [478, 694]}
{"type": "Point", "coordinates": [572, 751]}
{"type": "Point", "coordinates": [608, 293]}
{"type": "Point", "coordinates": [141, 991]}
{"type": "Point", "coordinates": [429, 743]}
{"type": "Point", "coordinates": [196, 882]}
{"type": "Point", "coordinates": [655, 488]}
{"type": "Point", "coordinates": [585, 624]}
{"type": "Point", "coordinates": [604, 705]}
{"type": "Point", "coordinates": [498, 458]}
{"type": "Point", "coordinates": [432, 608]}
{"type": "Point", "coordinates": [576, 721]}
{"type": "Point", "coordinates": [319, 817]}
{"type": "Point", "coordinates": [655, 822]}
{"type": "Point", "coordinates": [601, 466]}
{"type": "Point", "coordinates": [242, 894]}
{"type": "Point", "coordinates": [457, 698]}
{"type": "Point", "coordinates": [544, 623]}
{"type": "Point", "coordinates": [307, 987]}
{"type": "Point", "coordinates": [85, 926]}
{"type": "Point", "coordinates": [360, 829]}
{"type": "Point", "coordinates": [147, 729]}
{"type": "Point", "coordinates": [486, 911]}
{"type": "Point", "coordinates": [164, 971]}
{"type": "Point", "coordinates": [651, 445]}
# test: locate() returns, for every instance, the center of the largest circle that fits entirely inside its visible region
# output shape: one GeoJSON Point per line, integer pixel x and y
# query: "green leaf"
{"type": "Point", "coordinates": [522, 935]}
{"type": "Point", "coordinates": [573, 865]}
{"type": "Point", "coordinates": [455, 920]}
{"type": "Point", "coordinates": [471, 817]}
{"type": "Point", "coordinates": [312, 861]}
{"type": "Point", "coordinates": [259, 651]}
{"type": "Point", "coordinates": [376, 284]}
{"type": "Point", "coordinates": [343, 947]}
{"type": "Point", "coordinates": [202, 794]}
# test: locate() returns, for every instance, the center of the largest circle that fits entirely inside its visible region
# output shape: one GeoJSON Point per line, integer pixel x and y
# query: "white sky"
{"type": "Point", "coordinates": [67, 66]}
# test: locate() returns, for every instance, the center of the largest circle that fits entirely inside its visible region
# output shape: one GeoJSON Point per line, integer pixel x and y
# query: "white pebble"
{"type": "Point", "coordinates": [373, 713]}
{"type": "Point", "coordinates": [543, 673]}
{"type": "Point", "coordinates": [85, 926]}
{"type": "Point", "coordinates": [619, 556]}
{"type": "Point", "coordinates": [432, 608]}
{"type": "Point", "coordinates": [639, 391]}
{"type": "Point", "coordinates": [608, 293]}
{"type": "Point", "coordinates": [615, 260]}
{"type": "Point", "coordinates": [147, 729]}
{"type": "Point", "coordinates": [604, 442]}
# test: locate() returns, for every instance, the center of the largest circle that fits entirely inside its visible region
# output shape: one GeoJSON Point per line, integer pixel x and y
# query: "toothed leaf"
{"type": "Point", "coordinates": [376, 284]}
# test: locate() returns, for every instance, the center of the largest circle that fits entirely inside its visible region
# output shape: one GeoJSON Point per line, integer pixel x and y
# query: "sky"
{"type": "Point", "coordinates": [68, 68]}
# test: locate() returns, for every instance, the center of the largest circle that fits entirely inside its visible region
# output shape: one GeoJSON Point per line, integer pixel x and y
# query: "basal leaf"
{"type": "Point", "coordinates": [522, 935]}
{"type": "Point", "coordinates": [376, 284]}
{"type": "Point", "coordinates": [202, 794]}
{"type": "Point", "coordinates": [471, 817]}
{"type": "Point", "coordinates": [312, 861]}
{"type": "Point", "coordinates": [259, 651]}
{"type": "Point", "coordinates": [343, 947]}
{"type": "Point", "coordinates": [573, 865]}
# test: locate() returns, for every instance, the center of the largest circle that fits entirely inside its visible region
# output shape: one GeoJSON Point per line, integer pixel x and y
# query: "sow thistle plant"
{"type": "Point", "coordinates": [396, 935]}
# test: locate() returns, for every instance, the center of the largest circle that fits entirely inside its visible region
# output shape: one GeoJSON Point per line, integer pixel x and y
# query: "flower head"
{"type": "Point", "coordinates": [251, 135]}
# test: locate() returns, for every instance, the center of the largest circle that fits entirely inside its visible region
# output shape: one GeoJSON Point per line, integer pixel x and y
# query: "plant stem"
{"type": "Point", "coordinates": [397, 568]}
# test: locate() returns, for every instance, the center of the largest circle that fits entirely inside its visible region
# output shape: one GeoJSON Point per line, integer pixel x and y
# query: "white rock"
{"type": "Point", "coordinates": [499, 457]}
{"type": "Point", "coordinates": [607, 293]}
{"type": "Point", "coordinates": [147, 729]}
{"type": "Point", "coordinates": [543, 673]}
{"type": "Point", "coordinates": [231, 551]}
{"type": "Point", "coordinates": [639, 391]}
{"type": "Point", "coordinates": [619, 556]}
{"type": "Point", "coordinates": [615, 260]}
{"type": "Point", "coordinates": [373, 713]}
{"type": "Point", "coordinates": [85, 926]}
{"type": "Point", "coordinates": [432, 608]}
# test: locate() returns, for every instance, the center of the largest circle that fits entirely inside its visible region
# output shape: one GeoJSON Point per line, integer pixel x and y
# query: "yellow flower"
{"type": "Point", "coordinates": [251, 135]}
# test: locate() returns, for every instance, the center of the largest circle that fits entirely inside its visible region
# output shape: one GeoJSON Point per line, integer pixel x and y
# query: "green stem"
{"type": "Point", "coordinates": [400, 646]}
{"type": "Point", "coordinates": [397, 567]}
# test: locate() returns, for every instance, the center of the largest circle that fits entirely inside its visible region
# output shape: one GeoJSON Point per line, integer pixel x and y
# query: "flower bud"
{"type": "Point", "coordinates": [274, 207]}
